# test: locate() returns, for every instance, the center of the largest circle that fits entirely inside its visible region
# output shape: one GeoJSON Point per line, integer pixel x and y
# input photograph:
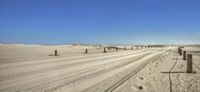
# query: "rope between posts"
{"type": "Point", "coordinates": [170, 80]}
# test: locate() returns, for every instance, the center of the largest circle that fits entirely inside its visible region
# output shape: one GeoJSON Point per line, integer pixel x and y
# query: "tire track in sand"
{"type": "Point", "coordinates": [49, 85]}
{"type": "Point", "coordinates": [74, 63]}
{"type": "Point", "coordinates": [111, 83]}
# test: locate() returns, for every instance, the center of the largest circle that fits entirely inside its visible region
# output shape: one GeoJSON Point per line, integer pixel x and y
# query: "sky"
{"type": "Point", "coordinates": [100, 21]}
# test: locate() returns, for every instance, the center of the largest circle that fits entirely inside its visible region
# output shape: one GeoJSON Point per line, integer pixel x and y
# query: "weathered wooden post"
{"type": "Point", "coordinates": [124, 48]}
{"type": "Point", "coordinates": [180, 51]}
{"type": "Point", "coordinates": [189, 63]}
{"type": "Point", "coordinates": [56, 53]}
{"type": "Point", "coordinates": [104, 51]}
{"type": "Point", "coordinates": [131, 48]}
{"type": "Point", "coordinates": [184, 55]}
{"type": "Point", "coordinates": [116, 49]}
{"type": "Point", "coordinates": [86, 51]}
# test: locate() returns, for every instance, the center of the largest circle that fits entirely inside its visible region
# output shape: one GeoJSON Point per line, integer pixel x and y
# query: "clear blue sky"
{"type": "Point", "coordinates": [100, 21]}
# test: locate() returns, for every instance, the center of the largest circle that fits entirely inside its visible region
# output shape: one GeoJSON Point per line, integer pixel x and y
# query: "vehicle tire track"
{"type": "Point", "coordinates": [50, 85]}
{"type": "Point", "coordinates": [24, 74]}
{"type": "Point", "coordinates": [110, 84]}
{"type": "Point", "coordinates": [57, 59]}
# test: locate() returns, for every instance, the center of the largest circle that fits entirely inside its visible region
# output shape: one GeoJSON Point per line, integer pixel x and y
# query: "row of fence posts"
{"type": "Point", "coordinates": [105, 51]}
{"type": "Point", "coordinates": [117, 49]}
{"type": "Point", "coordinates": [187, 57]}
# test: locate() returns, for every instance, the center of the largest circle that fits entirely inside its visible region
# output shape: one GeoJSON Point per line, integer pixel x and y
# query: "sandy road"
{"type": "Point", "coordinates": [22, 61]}
{"type": "Point", "coordinates": [49, 75]}
{"type": "Point", "coordinates": [108, 82]}
{"type": "Point", "coordinates": [48, 65]}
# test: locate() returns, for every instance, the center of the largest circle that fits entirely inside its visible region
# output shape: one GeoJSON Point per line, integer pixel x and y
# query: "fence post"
{"type": "Point", "coordinates": [181, 52]}
{"type": "Point", "coordinates": [189, 63]}
{"type": "Point", "coordinates": [184, 55]}
{"type": "Point", "coordinates": [86, 51]}
{"type": "Point", "coordinates": [56, 53]}
{"type": "Point", "coordinates": [179, 49]}
{"type": "Point", "coordinates": [104, 51]}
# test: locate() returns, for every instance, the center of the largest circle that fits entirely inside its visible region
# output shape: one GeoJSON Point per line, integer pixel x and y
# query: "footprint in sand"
{"type": "Point", "coordinates": [140, 87]}
{"type": "Point", "coordinates": [136, 87]}
{"type": "Point", "coordinates": [149, 73]}
{"type": "Point", "coordinates": [141, 78]}
{"type": "Point", "coordinates": [148, 68]}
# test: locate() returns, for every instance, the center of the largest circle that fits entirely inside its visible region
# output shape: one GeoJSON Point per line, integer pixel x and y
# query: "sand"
{"type": "Point", "coordinates": [33, 68]}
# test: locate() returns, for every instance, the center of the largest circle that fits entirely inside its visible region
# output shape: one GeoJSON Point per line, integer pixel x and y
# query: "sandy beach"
{"type": "Point", "coordinates": [34, 68]}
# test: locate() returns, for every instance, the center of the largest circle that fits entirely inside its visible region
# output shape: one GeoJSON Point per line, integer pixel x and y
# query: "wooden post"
{"type": "Point", "coordinates": [179, 50]}
{"type": "Point", "coordinates": [56, 53]}
{"type": "Point", "coordinates": [86, 51]}
{"type": "Point", "coordinates": [116, 49]}
{"type": "Point", "coordinates": [131, 48]}
{"type": "Point", "coordinates": [184, 55]}
{"type": "Point", "coordinates": [104, 51]}
{"type": "Point", "coordinates": [124, 48]}
{"type": "Point", "coordinates": [189, 63]}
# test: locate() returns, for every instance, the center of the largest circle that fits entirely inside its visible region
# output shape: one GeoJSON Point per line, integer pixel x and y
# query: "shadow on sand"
{"type": "Point", "coordinates": [175, 72]}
